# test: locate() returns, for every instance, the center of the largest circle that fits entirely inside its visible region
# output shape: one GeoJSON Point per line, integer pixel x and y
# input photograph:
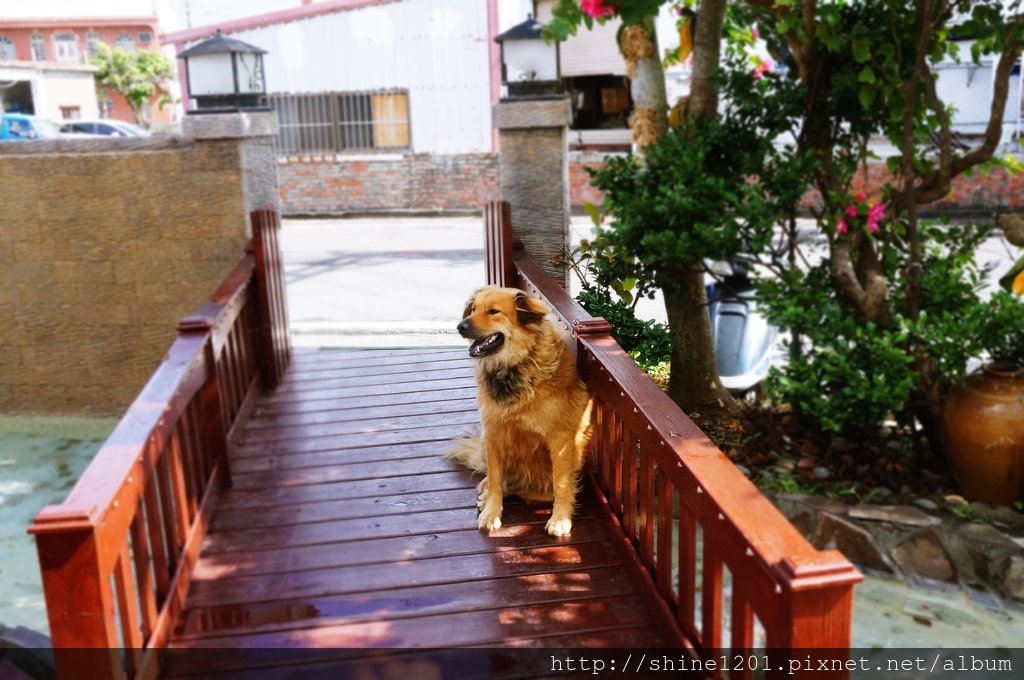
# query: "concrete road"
{"type": "Point", "coordinates": [398, 282]}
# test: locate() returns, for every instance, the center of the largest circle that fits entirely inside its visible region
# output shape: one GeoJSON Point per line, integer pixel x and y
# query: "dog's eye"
{"type": "Point", "coordinates": [492, 312]}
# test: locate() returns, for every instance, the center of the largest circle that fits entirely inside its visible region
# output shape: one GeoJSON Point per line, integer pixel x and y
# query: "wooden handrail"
{"type": "Point", "coordinates": [664, 482]}
{"type": "Point", "coordinates": [118, 553]}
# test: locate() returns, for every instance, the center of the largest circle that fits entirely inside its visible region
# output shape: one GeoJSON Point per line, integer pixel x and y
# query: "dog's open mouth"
{"type": "Point", "coordinates": [486, 345]}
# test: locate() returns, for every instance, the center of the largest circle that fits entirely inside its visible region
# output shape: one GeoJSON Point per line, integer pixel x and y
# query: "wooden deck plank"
{"type": "Point", "coordinates": [302, 400]}
{"type": "Point", "coordinates": [394, 453]}
{"type": "Point", "coordinates": [460, 400]}
{"type": "Point", "coordinates": [367, 485]}
{"type": "Point", "coordinates": [472, 627]}
{"type": "Point", "coordinates": [390, 604]}
{"type": "Point", "coordinates": [387, 550]}
{"type": "Point", "coordinates": [345, 530]}
{"type": "Point", "coordinates": [465, 414]}
{"type": "Point", "coordinates": [441, 432]}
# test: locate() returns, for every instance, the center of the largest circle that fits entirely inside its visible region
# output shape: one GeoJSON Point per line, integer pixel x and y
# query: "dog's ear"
{"type": "Point", "coordinates": [530, 310]}
{"type": "Point", "coordinates": [469, 308]}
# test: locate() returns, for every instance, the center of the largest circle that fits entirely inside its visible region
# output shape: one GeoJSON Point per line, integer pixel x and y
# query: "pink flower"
{"type": "Point", "coordinates": [877, 212]}
{"type": "Point", "coordinates": [851, 210]}
{"type": "Point", "coordinates": [875, 215]}
{"type": "Point", "coordinates": [756, 33]}
{"type": "Point", "coordinates": [596, 8]}
{"type": "Point", "coordinates": [860, 196]}
{"type": "Point", "coordinates": [841, 227]}
{"type": "Point", "coordinates": [762, 68]}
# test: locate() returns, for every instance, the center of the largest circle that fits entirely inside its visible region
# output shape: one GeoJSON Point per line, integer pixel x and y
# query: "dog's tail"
{"type": "Point", "coordinates": [468, 452]}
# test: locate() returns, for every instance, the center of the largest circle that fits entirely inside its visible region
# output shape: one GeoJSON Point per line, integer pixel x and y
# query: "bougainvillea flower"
{"type": "Point", "coordinates": [851, 210]}
{"type": "Point", "coordinates": [763, 67]}
{"type": "Point", "coordinates": [841, 226]}
{"type": "Point", "coordinates": [860, 196]}
{"type": "Point", "coordinates": [877, 212]}
{"type": "Point", "coordinates": [596, 8]}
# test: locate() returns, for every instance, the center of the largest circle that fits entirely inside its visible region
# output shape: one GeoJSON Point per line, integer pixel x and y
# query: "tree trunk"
{"type": "Point", "coordinates": [693, 379]}
{"type": "Point", "coordinates": [649, 119]}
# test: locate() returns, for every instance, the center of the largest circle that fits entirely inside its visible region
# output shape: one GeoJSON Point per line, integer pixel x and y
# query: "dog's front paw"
{"type": "Point", "coordinates": [559, 526]}
{"type": "Point", "coordinates": [489, 518]}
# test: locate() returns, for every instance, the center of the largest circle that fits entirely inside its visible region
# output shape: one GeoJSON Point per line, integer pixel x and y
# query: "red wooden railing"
{"type": "Point", "coordinates": [117, 555]}
{"type": "Point", "coordinates": [688, 518]}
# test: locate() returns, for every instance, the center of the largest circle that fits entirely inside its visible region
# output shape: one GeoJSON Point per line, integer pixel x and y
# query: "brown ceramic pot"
{"type": "Point", "coordinates": [983, 434]}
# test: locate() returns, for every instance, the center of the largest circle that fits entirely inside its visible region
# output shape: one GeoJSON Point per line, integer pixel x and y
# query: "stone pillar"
{"type": "Point", "coordinates": [534, 176]}
{"type": "Point", "coordinates": [255, 132]}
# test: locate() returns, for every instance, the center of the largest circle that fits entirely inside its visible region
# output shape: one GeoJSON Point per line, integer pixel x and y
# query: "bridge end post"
{"type": "Point", "coordinates": [275, 333]}
{"type": "Point", "coordinates": [79, 601]}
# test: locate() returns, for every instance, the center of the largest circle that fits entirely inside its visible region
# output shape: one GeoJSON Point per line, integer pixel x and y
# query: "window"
{"type": "Point", "coordinates": [38, 47]}
{"type": "Point", "coordinates": [92, 44]}
{"type": "Point", "coordinates": [65, 47]}
{"type": "Point", "coordinates": [70, 112]}
{"type": "Point", "coordinates": [145, 39]}
{"type": "Point", "coordinates": [7, 52]}
{"type": "Point", "coordinates": [340, 122]}
{"type": "Point", "coordinates": [126, 42]}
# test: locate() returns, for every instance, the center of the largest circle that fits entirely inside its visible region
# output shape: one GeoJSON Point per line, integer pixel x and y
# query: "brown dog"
{"type": "Point", "coordinates": [534, 409]}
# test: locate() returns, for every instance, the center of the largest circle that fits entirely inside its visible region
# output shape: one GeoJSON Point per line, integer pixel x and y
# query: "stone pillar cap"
{"type": "Point", "coordinates": [233, 125]}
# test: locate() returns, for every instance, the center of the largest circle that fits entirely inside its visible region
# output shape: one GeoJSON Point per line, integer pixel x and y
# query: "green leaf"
{"type": "Point", "coordinates": [861, 50]}
{"type": "Point", "coordinates": [867, 95]}
{"type": "Point", "coordinates": [594, 212]}
{"type": "Point", "coordinates": [866, 75]}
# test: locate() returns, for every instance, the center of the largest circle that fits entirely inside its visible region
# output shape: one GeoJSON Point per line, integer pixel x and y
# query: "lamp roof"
{"type": "Point", "coordinates": [220, 44]}
{"type": "Point", "coordinates": [527, 30]}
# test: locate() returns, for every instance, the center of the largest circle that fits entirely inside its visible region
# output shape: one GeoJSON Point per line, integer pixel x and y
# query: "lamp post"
{"type": "Point", "coordinates": [225, 74]}
{"type": "Point", "coordinates": [529, 65]}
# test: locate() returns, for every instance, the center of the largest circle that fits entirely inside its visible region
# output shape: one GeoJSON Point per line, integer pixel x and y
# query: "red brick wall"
{"type": "Point", "coordinates": [413, 182]}
{"type": "Point", "coordinates": [995, 190]}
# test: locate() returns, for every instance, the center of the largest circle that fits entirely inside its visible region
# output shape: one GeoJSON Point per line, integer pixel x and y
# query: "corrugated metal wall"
{"type": "Point", "coordinates": [588, 53]}
{"type": "Point", "coordinates": [436, 49]}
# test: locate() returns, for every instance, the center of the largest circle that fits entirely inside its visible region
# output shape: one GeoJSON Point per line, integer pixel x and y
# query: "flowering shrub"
{"type": "Point", "coordinates": [863, 213]}
{"type": "Point", "coordinates": [596, 8]}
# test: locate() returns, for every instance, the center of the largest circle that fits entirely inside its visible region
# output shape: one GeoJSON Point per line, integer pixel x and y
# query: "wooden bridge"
{"type": "Point", "coordinates": [262, 511]}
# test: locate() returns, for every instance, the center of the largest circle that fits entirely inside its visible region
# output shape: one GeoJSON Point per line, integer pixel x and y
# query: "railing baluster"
{"type": "Point", "coordinates": [162, 562]}
{"type": "Point", "coordinates": [141, 555]}
{"type": "Point", "coordinates": [173, 536]}
{"type": "Point", "coordinates": [711, 595]}
{"type": "Point", "coordinates": [687, 570]}
{"type": "Point", "coordinates": [741, 629]}
{"type": "Point", "coordinates": [629, 483]}
{"type": "Point", "coordinates": [128, 608]}
{"type": "Point", "coordinates": [666, 499]}
{"type": "Point", "coordinates": [645, 529]}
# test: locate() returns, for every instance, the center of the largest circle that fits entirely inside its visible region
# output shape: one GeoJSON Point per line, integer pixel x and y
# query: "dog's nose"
{"type": "Point", "coordinates": [463, 328]}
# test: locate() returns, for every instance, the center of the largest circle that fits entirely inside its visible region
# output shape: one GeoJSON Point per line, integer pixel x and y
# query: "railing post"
{"type": "Point", "coordinates": [275, 335]}
{"type": "Point", "coordinates": [79, 600]}
{"type": "Point", "coordinates": [498, 243]}
{"type": "Point", "coordinates": [815, 618]}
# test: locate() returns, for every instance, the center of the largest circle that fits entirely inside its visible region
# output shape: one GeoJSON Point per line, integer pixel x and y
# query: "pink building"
{"type": "Point", "coordinates": [70, 42]}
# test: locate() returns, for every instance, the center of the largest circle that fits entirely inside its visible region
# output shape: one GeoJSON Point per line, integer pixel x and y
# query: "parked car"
{"type": "Point", "coordinates": [21, 126]}
{"type": "Point", "coordinates": [104, 128]}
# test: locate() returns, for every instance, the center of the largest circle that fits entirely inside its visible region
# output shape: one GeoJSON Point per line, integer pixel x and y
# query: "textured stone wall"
{"type": "Point", "coordinates": [534, 177]}
{"type": "Point", "coordinates": [390, 183]}
{"type": "Point", "coordinates": [104, 246]}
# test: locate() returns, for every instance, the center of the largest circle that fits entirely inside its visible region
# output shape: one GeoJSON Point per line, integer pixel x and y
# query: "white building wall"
{"type": "Point", "coordinates": [436, 49]}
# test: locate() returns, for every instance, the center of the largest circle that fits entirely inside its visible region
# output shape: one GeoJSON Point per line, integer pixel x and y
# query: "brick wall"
{"type": "Point", "coordinates": [982, 193]}
{"type": "Point", "coordinates": [412, 182]}
{"type": "Point", "coordinates": [104, 246]}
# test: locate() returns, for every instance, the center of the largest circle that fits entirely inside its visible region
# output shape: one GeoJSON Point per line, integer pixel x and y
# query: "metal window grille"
{"type": "Point", "coordinates": [38, 46]}
{"type": "Point", "coordinates": [7, 52]}
{"type": "Point", "coordinates": [341, 122]}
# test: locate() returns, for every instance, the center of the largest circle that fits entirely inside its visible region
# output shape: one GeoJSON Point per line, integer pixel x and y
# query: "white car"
{"type": "Point", "coordinates": [104, 128]}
